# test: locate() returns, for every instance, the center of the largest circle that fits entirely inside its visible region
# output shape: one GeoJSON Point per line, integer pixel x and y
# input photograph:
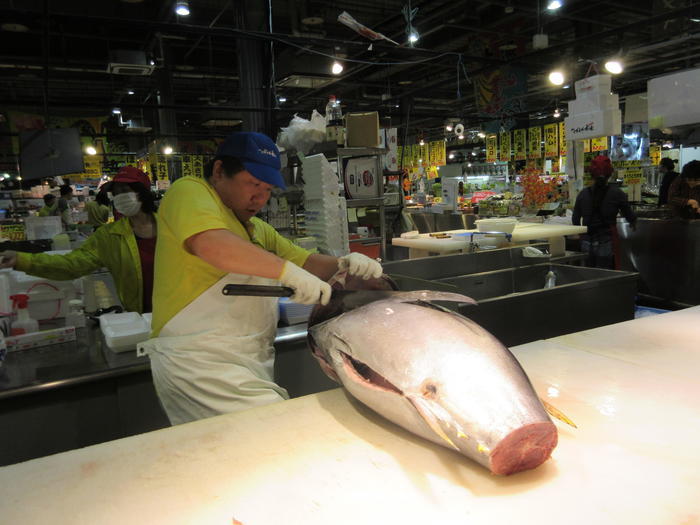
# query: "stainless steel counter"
{"type": "Point", "coordinates": [84, 360]}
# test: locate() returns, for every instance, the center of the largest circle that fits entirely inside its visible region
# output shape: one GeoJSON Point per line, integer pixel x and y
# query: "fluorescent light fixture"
{"type": "Point", "coordinates": [556, 77]}
{"type": "Point", "coordinates": [90, 150]}
{"type": "Point", "coordinates": [130, 92]}
{"type": "Point", "coordinates": [168, 150]}
{"type": "Point", "coordinates": [337, 68]}
{"type": "Point", "coordinates": [182, 7]}
{"type": "Point", "coordinates": [282, 99]}
{"type": "Point", "coordinates": [614, 66]}
{"type": "Point", "coordinates": [554, 5]}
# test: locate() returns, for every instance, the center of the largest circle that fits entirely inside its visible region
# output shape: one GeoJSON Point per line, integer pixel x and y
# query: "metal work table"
{"type": "Point", "coordinates": [71, 395]}
{"type": "Point", "coordinates": [84, 360]}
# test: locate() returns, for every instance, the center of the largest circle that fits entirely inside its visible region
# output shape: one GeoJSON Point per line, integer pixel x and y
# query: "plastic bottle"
{"type": "Point", "coordinates": [24, 324]}
{"type": "Point", "coordinates": [334, 122]}
{"type": "Point", "coordinates": [75, 316]}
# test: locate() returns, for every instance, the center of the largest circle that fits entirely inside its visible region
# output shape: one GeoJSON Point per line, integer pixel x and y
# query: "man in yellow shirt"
{"type": "Point", "coordinates": [212, 354]}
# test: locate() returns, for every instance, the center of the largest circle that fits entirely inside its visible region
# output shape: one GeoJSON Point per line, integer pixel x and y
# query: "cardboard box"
{"type": "Point", "coordinates": [362, 130]}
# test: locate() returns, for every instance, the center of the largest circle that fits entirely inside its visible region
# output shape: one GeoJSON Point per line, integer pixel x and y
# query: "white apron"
{"type": "Point", "coordinates": [216, 355]}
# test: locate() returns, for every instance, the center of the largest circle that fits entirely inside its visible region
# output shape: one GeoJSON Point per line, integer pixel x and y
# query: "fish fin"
{"type": "Point", "coordinates": [427, 413]}
{"type": "Point", "coordinates": [556, 413]}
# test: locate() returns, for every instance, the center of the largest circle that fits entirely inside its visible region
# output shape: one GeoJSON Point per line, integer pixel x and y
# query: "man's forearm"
{"type": "Point", "coordinates": [229, 253]}
{"type": "Point", "coordinates": [322, 266]}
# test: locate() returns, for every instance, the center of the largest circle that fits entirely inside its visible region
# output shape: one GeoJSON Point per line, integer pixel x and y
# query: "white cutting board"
{"type": "Point", "coordinates": [523, 232]}
{"type": "Point", "coordinates": [325, 459]}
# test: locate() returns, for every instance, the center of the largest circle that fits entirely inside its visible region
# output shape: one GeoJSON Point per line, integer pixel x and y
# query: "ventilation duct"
{"type": "Point", "coordinates": [133, 63]}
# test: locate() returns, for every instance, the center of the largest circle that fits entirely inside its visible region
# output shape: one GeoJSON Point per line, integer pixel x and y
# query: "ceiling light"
{"type": "Point", "coordinates": [554, 5]}
{"type": "Point", "coordinates": [614, 66]}
{"type": "Point", "coordinates": [460, 137]}
{"type": "Point", "coordinates": [422, 142]}
{"type": "Point", "coordinates": [129, 91]}
{"type": "Point", "coordinates": [168, 150]}
{"type": "Point", "coordinates": [448, 127]}
{"type": "Point", "coordinates": [337, 68]}
{"type": "Point", "coordinates": [282, 99]}
{"type": "Point", "coordinates": [18, 177]}
{"type": "Point", "coordinates": [413, 37]}
{"type": "Point", "coordinates": [182, 7]}
{"type": "Point", "coordinates": [451, 156]}
{"type": "Point", "coordinates": [90, 150]}
{"type": "Point", "coordinates": [556, 113]}
{"type": "Point", "coordinates": [481, 135]}
{"type": "Point", "coordinates": [556, 78]}
{"type": "Point", "coordinates": [116, 111]}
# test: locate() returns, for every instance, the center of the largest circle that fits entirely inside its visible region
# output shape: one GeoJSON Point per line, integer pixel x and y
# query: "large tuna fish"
{"type": "Point", "coordinates": [437, 374]}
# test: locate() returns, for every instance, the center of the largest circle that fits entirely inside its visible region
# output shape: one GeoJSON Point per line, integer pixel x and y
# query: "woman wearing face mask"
{"type": "Point", "coordinates": [598, 206]}
{"type": "Point", "coordinates": [125, 247]}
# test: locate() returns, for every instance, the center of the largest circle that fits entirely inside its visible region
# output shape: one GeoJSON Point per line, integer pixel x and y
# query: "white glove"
{"type": "Point", "coordinates": [308, 289]}
{"type": "Point", "coordinates": [360, 265]}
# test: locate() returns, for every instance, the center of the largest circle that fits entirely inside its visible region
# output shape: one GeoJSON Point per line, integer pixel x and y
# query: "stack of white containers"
{"type": "Point", "coordinates": [326, 211]}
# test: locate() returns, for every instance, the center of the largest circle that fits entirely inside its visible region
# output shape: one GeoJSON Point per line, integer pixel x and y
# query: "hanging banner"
{"type": "Point", "coordinates": [93, 167]}
{"type": "Point", "coordinates": [655, 154]}
{"type": "Point", "coordinates": [520, 144]}
{"type": "Point", "coordinates": [551, 141]}
{"type": "Point", "coordinates": [562, 139]}
{"type": "Point", "coordinates": [198, 166]}
{"type": "Point", "coordinates": [534, 143]}
{"type": "Point", "coordinates": [439, 154]}
{"type": "Point", "coordinates": [491, 146]}
{"type": "Point", "coordinates": [587, 145]}
{"type": "Point", "coordinates": [599, 144]}
{"type": "Point", "coordinates": [187, 166]}
{"type": "Point", "coordinates": [505, 155]}
{"type": "Point", "coordinates": [161, 167]}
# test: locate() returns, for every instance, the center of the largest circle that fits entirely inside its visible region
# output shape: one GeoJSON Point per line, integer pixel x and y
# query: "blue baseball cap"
{"type": "Point", "coordinates": [258, 153]}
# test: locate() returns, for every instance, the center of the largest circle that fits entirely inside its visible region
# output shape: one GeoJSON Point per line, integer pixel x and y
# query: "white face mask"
{"type": "Point", "coordinates": [127, 204]}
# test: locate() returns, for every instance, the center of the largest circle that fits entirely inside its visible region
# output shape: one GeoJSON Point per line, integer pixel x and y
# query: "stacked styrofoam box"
{"type": "Point", "coordinates": [326, 215]}
{"type": "Point", "coordinates": [595, 112]}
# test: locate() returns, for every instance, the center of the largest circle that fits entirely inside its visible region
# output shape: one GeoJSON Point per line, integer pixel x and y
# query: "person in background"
{"type": "Point", "coordinates": [125, 247]}
{"type": "Point", "coordinates": [666, 169]}
{"type": "Point", "coordinates": [210, 353]}
{"type": "Point", "coordinates": [97, 209]}
{"type": "Point", "coordinates": [598, 206]}
{"type": "Point", "coordinates": [684, 193]}
{"type": "Point", "coordinates": [64, 206]}
{"type": "Point", "coordinates": [50, 206]}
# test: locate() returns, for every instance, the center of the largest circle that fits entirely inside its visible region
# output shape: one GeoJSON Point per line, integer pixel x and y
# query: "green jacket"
{"type": "Point", "coordinates": [112, 246]}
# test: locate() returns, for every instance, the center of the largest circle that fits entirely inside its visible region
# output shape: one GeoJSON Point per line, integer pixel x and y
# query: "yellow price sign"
{"type": "Point", "coordinates": [599, 144]}
{"type": "Point", "coordinates": [655, 154]}
{"type": "Point", "coordinates": [551, 141]}
{"type": "Point", "coordinates": [491, 146]}
{"type": "Point", "coordinates": [534, 149]}
{"type": "Point", "coordinates": [520, 144]}
{"type": "Point", "coordinates": [562, 139]}
{"type": "Point", "coordinates": [504, 154]}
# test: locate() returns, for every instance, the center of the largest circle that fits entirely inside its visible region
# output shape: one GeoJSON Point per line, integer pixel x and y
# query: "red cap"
{"type": "Point", "coordinates": [601, 166]}
{"type": "Point", "coordinates": [20, 300]}
{"type": "Point", "coordinates": [131, 174]}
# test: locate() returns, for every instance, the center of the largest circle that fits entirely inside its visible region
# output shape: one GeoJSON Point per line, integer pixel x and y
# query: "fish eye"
{"type": "Point", "coordinates": [429, 390]}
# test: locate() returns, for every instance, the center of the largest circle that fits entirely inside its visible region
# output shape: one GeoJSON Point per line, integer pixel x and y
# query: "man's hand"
{"type": "Point", "coordinates": [693, 204]}
{"type": "Point", "coordinates": [8, 259]}
{"type": "Point", "coordinates": [360, 265]}
{"type": "Point", "coordinates": [308, 289]}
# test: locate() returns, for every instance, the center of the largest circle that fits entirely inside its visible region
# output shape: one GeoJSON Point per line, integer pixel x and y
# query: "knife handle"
{"type": "Point", "coordinates": [257, 290]}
